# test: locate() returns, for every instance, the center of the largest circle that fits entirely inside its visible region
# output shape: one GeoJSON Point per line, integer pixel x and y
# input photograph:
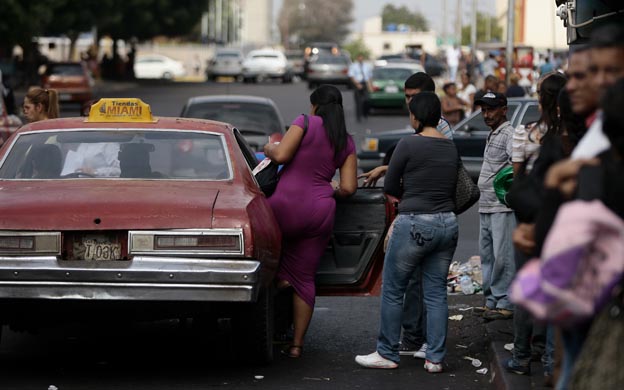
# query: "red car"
{"type": "Point", "coordinates": [72, 80]}
{"type": "Point", "coordinates": [159, 217]}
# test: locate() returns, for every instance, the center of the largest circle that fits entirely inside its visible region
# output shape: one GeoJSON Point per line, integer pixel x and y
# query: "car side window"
{"type": "Point", "coordinates": [530, 113]}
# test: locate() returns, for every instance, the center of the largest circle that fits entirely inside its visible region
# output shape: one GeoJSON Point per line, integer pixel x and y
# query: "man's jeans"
{"type": "Point", "coordinates": [497, 257]}
{"type": "Point", "coordinates": [428, 240]}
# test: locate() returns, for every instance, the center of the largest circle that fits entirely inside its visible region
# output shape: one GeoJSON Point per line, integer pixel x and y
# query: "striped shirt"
{"type": "Point", "coordinates": [497, 155]}
{"type": "Point", "coordinates": [527, 143]}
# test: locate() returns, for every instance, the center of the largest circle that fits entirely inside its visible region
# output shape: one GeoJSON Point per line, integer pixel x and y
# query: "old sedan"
{"type": "Point", "coordinates": [72, 80]}
{"type": "Point", "coordinates": [125, 214]}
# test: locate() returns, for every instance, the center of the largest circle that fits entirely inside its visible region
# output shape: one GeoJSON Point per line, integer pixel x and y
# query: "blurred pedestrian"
{"type": "Point", "coordinates": [361, 76]}
{"type": "Point", "coordinates": [515, 90]}
{"type": "Point", "coordinates": [453, 54]}
{"type": "Point", "coordinates": [423, 174]}
{"type": "Point", "coordinates": [41, 104]}
{"type": "Point", "coordinates": [496, 219]}
{"type": "Point", "coordinates": [467, 90]}
{"type": "Point", "coordinates": [311, 159]}
{"type": "Point", "coordinates": [489, 84]}
{"type": "Point", "coordinates": [530, 338]}
{"type": "Point", "coordinates": [7, 96]}
{"type": "Point", "coordinates": [490, 65]}
{"type": "Point", "coordinates": [453, 107]}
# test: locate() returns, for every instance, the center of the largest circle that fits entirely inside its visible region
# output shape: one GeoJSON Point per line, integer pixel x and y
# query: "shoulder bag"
{"type": "Point", "coordinates": [267, 172]}
{"type": "Point", "coordinates": [466, 191]}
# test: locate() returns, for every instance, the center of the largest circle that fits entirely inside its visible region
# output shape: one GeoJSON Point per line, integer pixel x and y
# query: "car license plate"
{"type": "Point", "coordinates": [95, 250]}
{"type": "Point", "coordinates": [391, 89]}
{"type": "Point", "coordinates": [65, 97]}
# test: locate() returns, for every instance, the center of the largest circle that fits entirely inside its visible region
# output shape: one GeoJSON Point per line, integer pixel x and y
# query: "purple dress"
{"type": "Point", "coordinates": [304, 206]}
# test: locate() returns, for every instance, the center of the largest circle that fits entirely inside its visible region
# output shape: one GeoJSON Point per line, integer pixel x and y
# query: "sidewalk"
{"type": "Point", "coordinates": [500, 333]}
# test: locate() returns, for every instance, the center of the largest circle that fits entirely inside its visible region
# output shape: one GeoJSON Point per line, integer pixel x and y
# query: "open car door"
{"type": "Point", "coordinates": [353, 260]}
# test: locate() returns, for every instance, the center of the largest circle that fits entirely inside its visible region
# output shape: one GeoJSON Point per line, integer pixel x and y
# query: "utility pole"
{"type": "Point", "coordinates": [510, 39]}
{"type": "Point", "coordinates": [444, 22]}
{"type": "Point", "coordinates": [473, 34]}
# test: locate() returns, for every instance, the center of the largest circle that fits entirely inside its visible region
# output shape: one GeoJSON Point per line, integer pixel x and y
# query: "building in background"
{"type": "Point", "coordinates": [242, 23]}
{"type": "Point", "coordinates": [381, 42]}
{"type": "Point", "coordinates": [536, 24]}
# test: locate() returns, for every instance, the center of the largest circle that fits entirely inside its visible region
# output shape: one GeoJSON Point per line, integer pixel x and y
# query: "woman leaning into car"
{"type": "Point", "coordinates": [425, 233]}
{"type": "Point", "coordinates": [304, 202]}
{"type": "Point", "coordinates": [41, 104]}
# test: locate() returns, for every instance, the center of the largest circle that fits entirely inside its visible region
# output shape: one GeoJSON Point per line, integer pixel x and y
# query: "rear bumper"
{"type": "Point", "coordinates": [145, 278]}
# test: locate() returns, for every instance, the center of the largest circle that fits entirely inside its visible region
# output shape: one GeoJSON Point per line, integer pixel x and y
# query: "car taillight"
{"type": "Point", "coordinates": [228, 243]}
{"type": "Point", "coordinates": [376, 88]}
{"type": "Point", "coordinates": [30, 243]}
{"type": "Point", "coordinates": [187, 242]}
{"type": "Point", "coordinates": [345, 71]}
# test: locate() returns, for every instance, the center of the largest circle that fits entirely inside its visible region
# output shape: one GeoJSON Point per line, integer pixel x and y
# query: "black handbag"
{"type": "Point", "coordinates": [267, 172]}
{"type": "Point", "coordinates": [466, 191]}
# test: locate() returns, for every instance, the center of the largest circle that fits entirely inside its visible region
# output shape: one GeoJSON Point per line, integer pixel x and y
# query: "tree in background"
{"type": "Point", "coordinates": [354, 48]}
{"type": "Point", "coordinates": [302, 21]}
{"type": "Point", "coordinates": [402, 15]}
{"type": "Point", "coordinates": [484, 34]}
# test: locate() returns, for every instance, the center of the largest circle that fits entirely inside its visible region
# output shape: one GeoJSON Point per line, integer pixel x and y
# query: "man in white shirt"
{"type": "Point", "coordinates": [453, 55]}
{"type": "Point", "coordinates": [361, 75]}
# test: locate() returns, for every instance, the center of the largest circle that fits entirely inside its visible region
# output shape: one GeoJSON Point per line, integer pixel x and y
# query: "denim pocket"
{"type": "Point", "coordinates": [422, 235]}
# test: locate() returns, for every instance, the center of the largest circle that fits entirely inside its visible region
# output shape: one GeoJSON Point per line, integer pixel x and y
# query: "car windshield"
{"type": "Point", "coordinates": [249, 118]}
{"type": "Point", "coordinates": [391, 73]}
{"type": "Point", "coordinates": [65, 70]}
{"type": "Point", "coordinates": [131, 154]}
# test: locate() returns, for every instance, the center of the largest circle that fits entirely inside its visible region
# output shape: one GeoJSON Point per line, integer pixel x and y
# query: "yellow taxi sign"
{"type": "Point", "coordinates": [120, 110]}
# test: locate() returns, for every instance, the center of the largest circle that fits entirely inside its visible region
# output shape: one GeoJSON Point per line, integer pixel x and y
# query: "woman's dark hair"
{"type": "Point", "coordinates": [613, 115]}
{"type": "Point", "coordinates": [572, 123]}
{"type": "Point", "coordinates": [328, 102]}
{"type": "Point", "coordinates": [548, 93]}
{"type": "Point", "coordinates": [425, 107]}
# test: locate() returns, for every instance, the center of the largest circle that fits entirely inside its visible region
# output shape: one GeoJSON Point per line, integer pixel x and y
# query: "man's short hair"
{"type": "Point", "coordinates": [421, 81]}
{"type": "Point", "coordinates": [607, 36]}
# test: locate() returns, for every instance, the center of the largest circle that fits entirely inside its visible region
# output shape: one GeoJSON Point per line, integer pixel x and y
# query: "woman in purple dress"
{"type": "Point", "coordinates": [304, 200]}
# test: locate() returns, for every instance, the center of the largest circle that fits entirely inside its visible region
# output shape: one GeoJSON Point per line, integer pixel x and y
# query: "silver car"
{"type": "Point", "coordinates": [328, 69]}
{"type": "Point", "coordinates": [226, 62]}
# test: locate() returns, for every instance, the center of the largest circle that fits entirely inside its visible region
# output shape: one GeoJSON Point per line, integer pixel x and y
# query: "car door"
{"type": "Point", "coordinates": [353, 259]}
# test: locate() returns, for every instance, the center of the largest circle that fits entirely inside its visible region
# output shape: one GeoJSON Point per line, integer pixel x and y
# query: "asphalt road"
{"type": "Point", "coordinates": [170, 354]}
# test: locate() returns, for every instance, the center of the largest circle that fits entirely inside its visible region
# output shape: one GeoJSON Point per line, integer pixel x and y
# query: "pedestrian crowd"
{"type": "Point", "coordinates": [551, 243]}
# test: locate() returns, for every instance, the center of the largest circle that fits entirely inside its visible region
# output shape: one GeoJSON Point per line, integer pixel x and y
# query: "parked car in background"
{"type": "Point", "coordinates": [295, 62]}
{"type": "Point", "coordinates": [102, 246]}
{"type": "Point", "coordinates": [266, 64]}
{"type": "Point", "coordinates": [257, 118]}
{"type": "Point", "coordinates": [389, 84]}
{"type": "Point", "coordinates": [72, 80]}
{"type": "Point", "coordinates": [469, 136]}
{"type": "Point", "coordinates": [328, 69]}
{"type": "Point", "coordinates": [226, 62]}
{"type": "Point", "coordinates": [158, 66]}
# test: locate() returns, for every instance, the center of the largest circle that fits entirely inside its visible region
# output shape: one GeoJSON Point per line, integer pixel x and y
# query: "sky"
{"type": "Point", "coordinates": [432, 9]}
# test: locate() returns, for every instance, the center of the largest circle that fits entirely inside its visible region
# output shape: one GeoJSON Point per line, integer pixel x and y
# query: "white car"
{"type": "Point", "coordinates": [266, 63]}
{"type": "Point", "coordinates": [226, 62]}
{"type": "Point", "coordinates": [158, 66]}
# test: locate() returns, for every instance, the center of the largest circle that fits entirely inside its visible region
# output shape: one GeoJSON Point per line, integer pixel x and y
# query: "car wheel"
{"type": "Point", "coordinates": [254, 327]}
{"type": "Point", "coordinates": [167, 76]}
{"type": "Point", "coordinates": [286, 79]}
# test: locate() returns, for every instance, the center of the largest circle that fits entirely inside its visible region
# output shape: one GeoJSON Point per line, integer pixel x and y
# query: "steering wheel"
{"type": "Point", "coordinates": [77, 174]}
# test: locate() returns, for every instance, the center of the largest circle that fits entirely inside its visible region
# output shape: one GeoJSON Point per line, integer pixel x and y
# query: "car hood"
{"type": "Point", "coordinates": [101, 204]}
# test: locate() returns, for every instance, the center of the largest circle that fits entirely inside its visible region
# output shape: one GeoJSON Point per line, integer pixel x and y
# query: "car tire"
{"type": "Point", "coordinates": [254, 327]}
{"type": "Point", "coordinates": [167, 76]}
{"type": "Point", "coordinates": [287, 79]}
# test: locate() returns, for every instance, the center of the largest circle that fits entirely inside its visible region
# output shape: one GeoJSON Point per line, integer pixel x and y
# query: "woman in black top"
{"type": "Point", "coordinates": [423, 174]}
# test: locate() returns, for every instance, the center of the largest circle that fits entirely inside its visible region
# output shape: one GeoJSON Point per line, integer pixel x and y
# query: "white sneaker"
{"type": "Point", "coordinates": [433, 368]}
{"type": "Point", "coordinates": [420, 354]}
{"type": "Point", "coordinates": [375, 360]}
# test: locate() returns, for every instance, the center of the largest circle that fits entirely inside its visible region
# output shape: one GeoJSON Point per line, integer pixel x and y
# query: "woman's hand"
{"type": "Point", "coordinates": [371, 177]}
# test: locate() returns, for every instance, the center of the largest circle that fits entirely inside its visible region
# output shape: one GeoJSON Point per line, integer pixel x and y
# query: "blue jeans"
{"type": "Point", "coordinates": [497, 258]}
{"type": "Point", "coordinates": [428, 240]}
{"type": "Point", "coordinates": [414, 313]}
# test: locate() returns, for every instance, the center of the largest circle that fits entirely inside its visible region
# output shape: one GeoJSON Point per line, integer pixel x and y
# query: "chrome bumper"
{"type": "Point", "coordinates": [145, 278]}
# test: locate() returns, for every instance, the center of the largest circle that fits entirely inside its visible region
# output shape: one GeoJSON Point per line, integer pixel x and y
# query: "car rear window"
{"type": "Point", "coordinates": [391, 74]}
{"type": "Point", "coordinates": [249, 118]}
{"type": "Point", "coordinates": [332, 60]}
{"type": "Point", "coordinates": [228, 55]}
{"type": "Point", "coordinates": [132, 154]}
{"type": "Point", "coordinates": [65, 70]}
{"type": "Point", "coordinates": [272, 56]}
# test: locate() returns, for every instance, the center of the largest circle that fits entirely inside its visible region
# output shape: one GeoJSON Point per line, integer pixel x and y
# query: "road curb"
{"type": "Point", "coordinates": [500, 332]}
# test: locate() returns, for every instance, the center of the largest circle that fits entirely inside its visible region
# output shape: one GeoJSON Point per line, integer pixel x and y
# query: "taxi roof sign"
{"type": "Point", "coordinates": [120, 110]}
